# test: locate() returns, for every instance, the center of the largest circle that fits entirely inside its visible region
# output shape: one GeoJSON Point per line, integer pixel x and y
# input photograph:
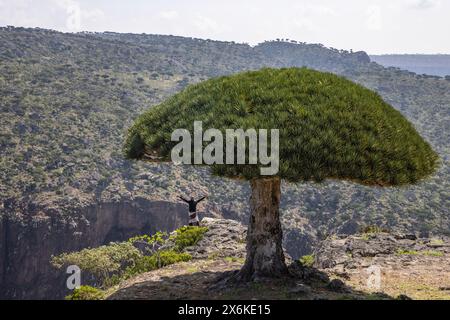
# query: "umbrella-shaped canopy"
{"type": "Point", "coordinates": [329, 127]}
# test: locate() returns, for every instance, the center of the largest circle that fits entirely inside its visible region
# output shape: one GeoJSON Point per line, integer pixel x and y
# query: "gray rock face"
{"type": "Point", "coordinates": [224, 238]}
{"type": "Point", "coordinates": [354, 251]}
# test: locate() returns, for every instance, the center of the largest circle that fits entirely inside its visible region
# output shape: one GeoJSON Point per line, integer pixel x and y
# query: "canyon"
{"type": "Point", "coordinates": [27, 246]}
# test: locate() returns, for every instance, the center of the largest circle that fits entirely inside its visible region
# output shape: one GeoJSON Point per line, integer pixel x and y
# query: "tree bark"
{"type": "Point", "coordinates": [265, 257]}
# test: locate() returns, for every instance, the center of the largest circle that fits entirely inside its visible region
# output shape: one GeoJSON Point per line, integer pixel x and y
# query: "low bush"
{"type": "Point", "coordinates": [101, 262]}
{"type": "Point", "coordinates": [156, 261]}
{"type": "Point", "coordinates": [188, 236]}
{"type": "Point", "coordinates": [158, 237]}
{"type": "Point", "coordinates": [86, 293]}
{"type": "Point", "coordinates": [307, 261]}
{"type": "Point", "coordinates": [407, 252]}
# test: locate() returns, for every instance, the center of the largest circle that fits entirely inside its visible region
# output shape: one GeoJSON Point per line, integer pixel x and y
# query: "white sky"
{"type": "Point", "coordinates": [375, 26]}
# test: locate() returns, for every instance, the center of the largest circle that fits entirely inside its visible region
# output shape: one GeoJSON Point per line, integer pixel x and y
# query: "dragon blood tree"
{"type": "Point", "coordinates": [329, 127]}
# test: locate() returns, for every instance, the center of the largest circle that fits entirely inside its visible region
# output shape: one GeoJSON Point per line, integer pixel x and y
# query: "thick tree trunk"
{"type": "Point", "coordinates": [265, 257]}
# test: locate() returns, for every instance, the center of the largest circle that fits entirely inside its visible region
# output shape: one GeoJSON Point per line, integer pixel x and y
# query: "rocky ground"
{"type": "Point", "coordinates": [391, 263]}
{"type": "Point", "coordinates": [367, 266]}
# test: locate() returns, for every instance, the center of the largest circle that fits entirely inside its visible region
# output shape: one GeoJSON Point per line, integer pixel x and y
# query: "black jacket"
{"type": "Point", "coordinates": [192, 203]}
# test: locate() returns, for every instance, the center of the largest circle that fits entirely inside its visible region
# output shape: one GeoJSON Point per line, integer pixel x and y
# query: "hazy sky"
{"type": "Point", "coordinates": [376, 26]}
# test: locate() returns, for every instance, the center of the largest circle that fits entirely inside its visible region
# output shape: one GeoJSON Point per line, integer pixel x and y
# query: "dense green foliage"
{"type": "Point", "coordinates": [86, 293]}
{"type": "Point", "coordinates": [101, 262]}
{"type": "Point", "coordinates": [329, 126]}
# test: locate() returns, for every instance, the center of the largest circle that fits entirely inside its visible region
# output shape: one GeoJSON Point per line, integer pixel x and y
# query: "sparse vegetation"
{"type": "Point", "coordinates": [407, 252]}
{"type": "Point", "coordinates": [432, 253]}
{"type": "Point", "coordinates": [436, 242]}
{"type": "Point", "coordinates": [423, 252]}
{"type": "Point", "coordinates": [234, 259]}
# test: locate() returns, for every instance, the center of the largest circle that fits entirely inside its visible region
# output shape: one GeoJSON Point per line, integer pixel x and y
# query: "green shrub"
{"type": "Point", "coordinates": [437, 242]}
{"type": "Point", "coordinates": [158, 237]}
{"type": "Point", "coordinates": [86, 293]}
{"type": "Point", "coordinates": [425, 252]}
{"type": "Point", "coordinates": [432, 253]}
{"type": "Point", "coordinates": [112, 263]}
{"type": "Point", "coordinates": [366, 236]}
{"type": "Point", "coordinates": [144, 238]}
{"type": "Point", "coordinates": [307, 261]}
{"type": "Point", "coordinates": [407, 252]}
{"type": "Point", "coordinates": [156, 261]}
{"type": "Point", "coordinates": [101, 262]}
{"type": "Point", "coordinates": [188, 236]}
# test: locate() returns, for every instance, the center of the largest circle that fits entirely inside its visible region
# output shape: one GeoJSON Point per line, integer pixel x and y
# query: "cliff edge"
{"type": "Point", "coordinates": [371, 265]}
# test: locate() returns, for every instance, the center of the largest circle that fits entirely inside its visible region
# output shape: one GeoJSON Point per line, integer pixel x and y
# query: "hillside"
{"type": "Point", "coordinates": [66, 101]}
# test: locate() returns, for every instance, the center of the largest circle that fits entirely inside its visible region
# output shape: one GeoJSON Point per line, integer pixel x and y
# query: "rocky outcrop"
{"type": "Point", "coordinates": [401, 266]}
{"type": "Point", "coordinates": [410, 268]}
{"type": "Point", "coordinates": [29, 241]}
{"type": "Point", "coordinates": [218, 255]}
{"type": "Point", "coordinates": [224, 238]}
{"type": "Point", "coordinates": [347, 252]}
